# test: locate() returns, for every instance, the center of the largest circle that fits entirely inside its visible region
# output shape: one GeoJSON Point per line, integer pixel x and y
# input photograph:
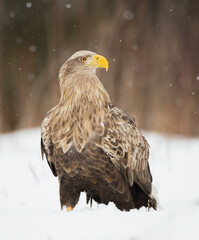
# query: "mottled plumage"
{"type": "Point", "coordinates": [93, 146]}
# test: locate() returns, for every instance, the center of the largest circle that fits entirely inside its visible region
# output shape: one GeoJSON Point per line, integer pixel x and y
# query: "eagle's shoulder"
{"type": "Point", "coordinates": [124, 128]}
{"type": "Point", "coordinates": [47, 122]}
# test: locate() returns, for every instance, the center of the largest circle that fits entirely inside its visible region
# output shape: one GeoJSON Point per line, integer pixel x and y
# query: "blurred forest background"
{"type": "Point", "coordinates": [152, 47]}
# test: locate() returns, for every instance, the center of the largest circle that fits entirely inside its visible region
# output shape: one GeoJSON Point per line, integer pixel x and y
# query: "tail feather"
{"type": "Point", "coordinates": [153, 198]}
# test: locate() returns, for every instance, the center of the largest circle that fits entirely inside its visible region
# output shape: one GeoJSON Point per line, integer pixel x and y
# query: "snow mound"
{"type": "Point", "coordinates": [30, 200]}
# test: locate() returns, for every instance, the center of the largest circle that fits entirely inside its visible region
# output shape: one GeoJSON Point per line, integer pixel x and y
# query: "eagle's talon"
{"type": "Point", "coordinates": [69, 209]}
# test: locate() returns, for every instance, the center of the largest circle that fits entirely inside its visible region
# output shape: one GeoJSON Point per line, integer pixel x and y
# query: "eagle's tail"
{"type": "Point", "coordinates": [153, 200]}
{"type": "Point", "coordinates": [141, 198]}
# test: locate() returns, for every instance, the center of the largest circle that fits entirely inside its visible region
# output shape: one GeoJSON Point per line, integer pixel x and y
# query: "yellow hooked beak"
{"type": "Point", "coordinates": [98, 62]}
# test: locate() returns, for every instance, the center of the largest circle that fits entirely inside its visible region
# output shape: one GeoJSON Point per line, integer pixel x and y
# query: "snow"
{"type": "Point", "coordinates": [19, 40]}
{"type": "Point", "coordinates": [31, 77]}
{"type": "Point", "coordinates": [30, 207]}
{"type": "Point", "coordinates": [28, 4]}
{"type": "Point", "coordinates": [32, 48]}
{"type": "Point", "coordinates": [12, 14]}
{"type": "Point", "coordinates": [128, 15]}
{"type": "Point", "coordinates": [68, 5]}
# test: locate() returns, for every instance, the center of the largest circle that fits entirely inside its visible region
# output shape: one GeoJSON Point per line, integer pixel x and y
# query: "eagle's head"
{"type": "Point", "coordinates": [77, 79]}
{"type": "Point", "coordinates": [83, 62]}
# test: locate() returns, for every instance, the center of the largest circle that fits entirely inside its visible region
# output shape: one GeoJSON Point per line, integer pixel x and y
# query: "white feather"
{"type": "Point", "coordinates": [154, 194]}
{"type": "Point", "coordinates": [81, 53]}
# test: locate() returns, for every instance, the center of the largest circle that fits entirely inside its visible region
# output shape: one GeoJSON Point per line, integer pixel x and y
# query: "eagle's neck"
{"type": "Point", "coordinates": [81, 110]}
{"type": "Point", "coordinates": [82, 90]}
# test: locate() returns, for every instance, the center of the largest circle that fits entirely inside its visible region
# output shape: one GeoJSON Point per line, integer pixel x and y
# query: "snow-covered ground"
{"type": "Point", "coordinates": [29, 199]}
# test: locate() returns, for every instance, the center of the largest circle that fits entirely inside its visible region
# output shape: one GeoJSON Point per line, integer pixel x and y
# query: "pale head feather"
{"type": "Point", "coordinates": [81, 53]}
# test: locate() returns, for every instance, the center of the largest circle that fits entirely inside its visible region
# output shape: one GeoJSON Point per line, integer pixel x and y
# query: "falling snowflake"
{"type": "Point", "coordinates": [128, 15]}
{"type": "Point", "coordinates": [135, 47]}
{"type": "Point", "coordinates": [28, 4]}
{"type": "Point", "coordinates": [31, 76]}
{"type": "Point", "coordinates": [32, 48]}
{"type": "Point", "coordinates": [19, 40]}
{"type": "Point", "coordinates": [12, 14]}
{"type": "Point", "coordinates": [68, 5]}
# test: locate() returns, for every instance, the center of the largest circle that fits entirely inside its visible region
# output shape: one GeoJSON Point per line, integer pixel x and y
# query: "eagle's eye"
{"type": "Point", "coordinates": [83, 59]}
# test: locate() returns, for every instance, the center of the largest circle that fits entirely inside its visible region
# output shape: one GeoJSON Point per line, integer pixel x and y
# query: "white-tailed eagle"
{"type": "Point", "coordinates": [93, 146]}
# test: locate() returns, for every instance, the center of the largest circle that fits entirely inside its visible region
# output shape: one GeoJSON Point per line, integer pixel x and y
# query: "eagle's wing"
{"type": "Point", "coordinates": [46, 143]}
{"type": "Point", "coordinates": [127, 148]}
